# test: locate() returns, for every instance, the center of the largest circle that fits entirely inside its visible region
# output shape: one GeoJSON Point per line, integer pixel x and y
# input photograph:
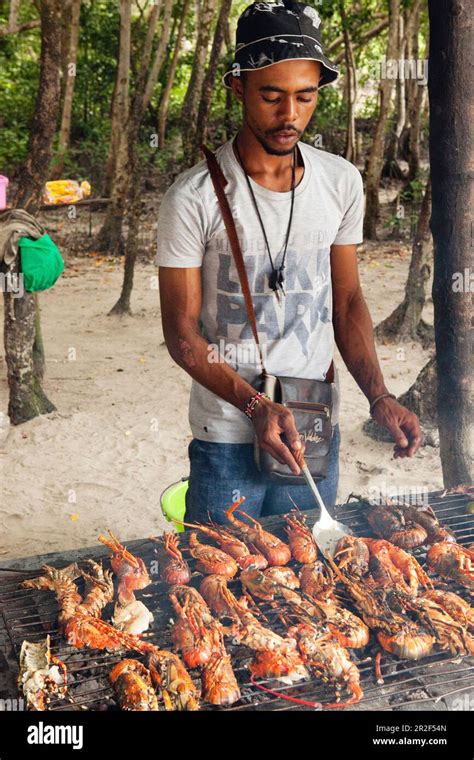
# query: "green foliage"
{"type": "Point", "coordinates": [96, 71]}
{"type": "Point", "coordinates": [19, 55]}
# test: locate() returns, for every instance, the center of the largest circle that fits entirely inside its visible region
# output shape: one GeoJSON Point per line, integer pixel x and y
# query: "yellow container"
{"type": "Point", "coordinates": [173, 502]}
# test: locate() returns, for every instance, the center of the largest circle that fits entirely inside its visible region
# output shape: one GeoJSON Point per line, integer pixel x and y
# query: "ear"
{"type": "Point", "coordinates": [238, 87]}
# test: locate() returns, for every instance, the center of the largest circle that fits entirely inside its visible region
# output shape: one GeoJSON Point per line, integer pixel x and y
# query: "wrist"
{"type": "Point", "coordinates": [381, 397]}
{"type": "Point", "coordinates": [254, 403]}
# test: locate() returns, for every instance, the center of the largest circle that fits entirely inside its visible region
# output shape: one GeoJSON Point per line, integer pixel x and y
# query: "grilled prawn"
{"type": "Point", "coordinates": [210, 560]}
{"type": "Point", "coordinates": [132, 685]}
{"type": "Point", "coordinates": [352, 555]}
{"type": "Point", "coordinates": [452, 561]}
{"type": "Point", "coordinates": [275, 656]}
{"type": "Point", "coordinates": [396, 632]}
{"type": "Point", "coordinates": [449, 634]}
{"type": "Point", "coordinates": [326, 657]}
{"type": "Point", "coordinates": [317, 580]}
{"type": "Point", "coordinates": [231, 545]}
{"type": "Point", "coordinates": [219, 684]}
{"type": "Point", "coordinates": [173, 568]}
{"type": "Point", "coordinates": [130, 570]}
{"type": "Point", "coordinates": [169, 674]}
{"type": "Point", "coordinates": [302, 545]}
{"type": "Point", "coordinates": [391, 565]}
{"type": "Point", "coordinates": [454, 605]}
{"type": "Point", "coordinates": [79, 627]}
{"type": "Point", "coordinates": [389, 521]}
{"type": "Point", "coordinates": [275, 551]}
{"type": "Point", "coordinates": [99, 588]}
{"type": "Point", "coordinates": [192, 632]}
{"type": "Point", "coordinates": [266, 585]}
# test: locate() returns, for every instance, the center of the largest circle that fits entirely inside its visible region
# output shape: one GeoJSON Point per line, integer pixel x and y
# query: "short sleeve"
{"type": "Point", "coordinates": [181, 227]}
{"type": "Point", "coordinates": [350, 231]}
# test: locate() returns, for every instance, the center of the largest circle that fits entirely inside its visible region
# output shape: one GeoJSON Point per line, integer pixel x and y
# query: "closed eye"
{"type": "Point", "coordinates": [275, 100]}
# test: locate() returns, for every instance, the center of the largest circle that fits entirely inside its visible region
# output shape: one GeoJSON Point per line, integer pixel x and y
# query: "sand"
{"type": "Point", "coordinates": [120, 433]}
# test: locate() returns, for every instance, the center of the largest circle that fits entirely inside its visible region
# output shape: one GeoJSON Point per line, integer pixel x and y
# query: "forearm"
{"type": "Point", "coordinates": [355, 339]}
{"type": "Point", "coordinates": [203, 363]}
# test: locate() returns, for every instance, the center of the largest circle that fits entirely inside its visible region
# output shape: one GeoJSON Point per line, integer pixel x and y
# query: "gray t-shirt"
{"type": "Point", "coordinates": [298, 336]}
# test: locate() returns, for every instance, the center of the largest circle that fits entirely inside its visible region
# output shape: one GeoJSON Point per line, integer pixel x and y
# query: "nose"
{"type": "Point", "coordinates": [288, 110]}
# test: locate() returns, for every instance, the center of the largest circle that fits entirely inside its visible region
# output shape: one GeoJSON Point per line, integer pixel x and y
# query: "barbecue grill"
{"type": "Point", "coordinates": [439, 681]}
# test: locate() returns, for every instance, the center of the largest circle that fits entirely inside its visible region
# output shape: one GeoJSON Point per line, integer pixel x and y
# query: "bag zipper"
{"type": "Point", "coordinates": [309, 405]}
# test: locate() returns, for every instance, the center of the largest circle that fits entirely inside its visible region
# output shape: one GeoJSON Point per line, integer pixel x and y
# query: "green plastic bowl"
{"type": "Point", "coordinates": [173, 502]}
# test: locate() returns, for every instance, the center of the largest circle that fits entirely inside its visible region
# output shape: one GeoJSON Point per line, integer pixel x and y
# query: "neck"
{"type": "Point", "coordinates": [257, 161]}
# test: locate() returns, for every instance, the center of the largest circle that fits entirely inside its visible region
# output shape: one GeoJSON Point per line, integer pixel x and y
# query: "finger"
{"type": "Point", "coordinates": [413, 432]}
{"type": "Point", "coordinates": [276, 453]}
{"type": "Point", "coordinates": [398, 435]}
{"type": "Point", "coordinates": [288, 458]}
{"type": "Point", "coordinates": [287, 422]}
{"type": "Point", "coordinates": [400, 453]}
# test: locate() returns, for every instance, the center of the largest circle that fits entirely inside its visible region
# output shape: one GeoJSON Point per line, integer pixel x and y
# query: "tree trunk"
{"type": "Point", "coordinates": [123, 305]}
{"type": "Point", "coordinates": [417, 108]}
{"type": "Point", "coordinates": [110, 236]}
{"type": "Point", "coordinates": [193, 94]}
{"type": "Point", "coordinates": [165, 97]}
{"type": "Point", "coordinates": [420, 398]}
{"type": "Point", "coordinates": [392, 167]}
{"type": "Point", "coordinates": [27, 399]}
{"type": "Point", "coordinates": [39, 364]}
{"type": "Point", "coordinates": [43, 128]}
{"type": "Point", "coordinates": [451, 96]}
{"type": "Point", "coordinates": [405, 323]}
{"type": "Point", "coordinates": [13, 14]}
{"type": "Point", "coordinates": [113, 142]}
{"type": "Point", "coordinates": [69, 70]}
{"type": "Point", "coordinates": [146, 82]}
{"type": "Point", "coordinates": [350, 151]}
{"type": "Point", "coordinates": [415, 96]}
{"type": "Point", "coordinates": [209, 81]}
{"type": "Point", "coordinates": [375, 162]}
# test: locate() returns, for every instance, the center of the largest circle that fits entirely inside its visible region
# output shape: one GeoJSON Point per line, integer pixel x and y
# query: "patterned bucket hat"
{"type": "Point", "coordinates": [268, 33]}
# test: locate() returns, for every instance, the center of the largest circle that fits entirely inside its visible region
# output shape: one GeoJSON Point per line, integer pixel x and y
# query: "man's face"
{"type": "Point", "coordinates": [279, 102]}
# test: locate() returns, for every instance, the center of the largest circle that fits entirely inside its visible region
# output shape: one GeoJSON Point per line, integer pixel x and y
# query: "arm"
{"type": "Point", "coordinates": [355, 339]}
{"type": "Point", "coordinates": [180, 294]}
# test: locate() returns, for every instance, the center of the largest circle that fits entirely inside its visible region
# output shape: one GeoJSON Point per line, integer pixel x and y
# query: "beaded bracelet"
{"type": "Point", "coordinates": [253, 403]}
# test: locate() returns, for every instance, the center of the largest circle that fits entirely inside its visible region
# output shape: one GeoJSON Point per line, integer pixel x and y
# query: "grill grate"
{"type": "Point", "coordinates": [432, 683]}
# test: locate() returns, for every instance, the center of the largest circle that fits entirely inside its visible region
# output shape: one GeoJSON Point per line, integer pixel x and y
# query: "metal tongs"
{"type": "Point", "coordinates": [326, 530]}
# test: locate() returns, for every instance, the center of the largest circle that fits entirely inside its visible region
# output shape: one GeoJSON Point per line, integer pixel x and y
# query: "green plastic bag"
{"type": "Point", "coordinates": [41, 263]}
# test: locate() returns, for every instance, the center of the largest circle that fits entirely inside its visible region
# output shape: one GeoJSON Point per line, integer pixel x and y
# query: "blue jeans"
{"type": "Point", "coordinates": [223, 472]}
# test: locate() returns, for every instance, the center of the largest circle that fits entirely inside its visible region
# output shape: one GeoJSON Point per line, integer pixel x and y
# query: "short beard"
{"type": "Point", "coordinates": [274, 151]}
{"type": "Point", "coordinates": [266, 147]}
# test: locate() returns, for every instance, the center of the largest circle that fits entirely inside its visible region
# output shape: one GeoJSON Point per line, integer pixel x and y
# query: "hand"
{"type": "Point", "coordinates": [270, 421]}
{"type": "Point", "coordinates": [402, 424]}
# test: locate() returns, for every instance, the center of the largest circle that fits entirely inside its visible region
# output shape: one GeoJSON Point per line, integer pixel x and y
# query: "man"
{"type": "Point", "coordinates": [298, 213]}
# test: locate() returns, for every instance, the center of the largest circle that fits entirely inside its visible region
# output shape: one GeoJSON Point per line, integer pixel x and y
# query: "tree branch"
{"type": "Point", "coordinates": [4, 30]}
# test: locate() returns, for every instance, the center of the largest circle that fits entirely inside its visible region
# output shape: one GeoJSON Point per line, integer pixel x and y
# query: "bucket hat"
{"type": "Point", "coordinates": [268, 33]}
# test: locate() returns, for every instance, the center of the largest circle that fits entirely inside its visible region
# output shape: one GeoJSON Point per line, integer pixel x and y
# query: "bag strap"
{"type": "Point", "coordinates": [219, 181]}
